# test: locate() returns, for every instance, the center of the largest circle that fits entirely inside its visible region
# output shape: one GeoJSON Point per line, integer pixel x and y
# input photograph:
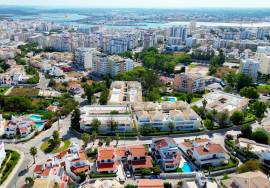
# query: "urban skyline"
{"type": "Point", "coordinates": [142, 4]}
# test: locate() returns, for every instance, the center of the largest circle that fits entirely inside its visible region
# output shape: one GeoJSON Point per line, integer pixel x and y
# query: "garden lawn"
{"type": "Point", "coordinates": [265, 89]}
{"type": "Point", "coordinates": [45, 147]}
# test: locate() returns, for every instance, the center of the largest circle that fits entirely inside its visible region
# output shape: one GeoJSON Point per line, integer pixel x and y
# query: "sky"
{"type": "Point", "coordinates": [142, 3]}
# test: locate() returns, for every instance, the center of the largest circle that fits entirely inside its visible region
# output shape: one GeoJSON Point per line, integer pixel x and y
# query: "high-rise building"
{"type": "Point", "coordinates": [190, 83]}
{"type": "Point", "coordinates": [84, 57]}
{"type": "Point", "coordinates": [263, 55]}
{"type": "Point", "coordinates": [177, 35]}
{"type": "Point", "coordinates": [261, 33]}
{"type": "Point", "coordinates": [249, 67]}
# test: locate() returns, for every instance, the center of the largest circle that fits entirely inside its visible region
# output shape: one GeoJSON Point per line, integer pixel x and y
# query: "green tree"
{"type": "Point", "coordinates": [258, 109]}
{"type": "Point", "coordinates": [167, 185]}
{"type": "Point", "coordinates": [243, 80]}
{"type": "Point", "coordinates": [117, 138]}
{"type": "Point", "coordinates": [246, 131]}
{"type": "Point", "coordinates": [75, 119]}
{"type": "Point", "coordinates": [223, 118]}
{"type": "Point", "coordinates": [237, 117]}
{"type": "Point", "coordinates": [146, 171]}
{"type": "Point", "coordinates": [113, 125]}
{"type": "Point", "coordinates": [104, 97]}
{"type": "Point", "coordinates": [89, 92]}
{"type": "Point", "coordinates": [33, 152]}
{"type": "Point", "coordinates": [260, 135]}
{"type": "Point", "coordinates": [209, 124]}
{"type": "Point", "coordinates": [95, 124]}
{"type": "Point", "coordinates": [171, 126]}
{"type": "Point", "coordinates": [29, 181]}
{"type": "Point", "coordinates": [204, 103]}
{"type": "Point", "coordinates": [94, 137]}
{"type": "Point", "coordinates": [249, 92]}
{"type": "Point", "coordinates": [251, 165]}
{"type": "Point", "coordinates": [156, 170]}
{"type": "Point", "coordinates": [108, 140]}
{"type": "Point", "coordinates": [86, 138]}
{"type": "Point", "coordinates": [146, 129]}
{"type": "Point", "coordinates": [188, 98]}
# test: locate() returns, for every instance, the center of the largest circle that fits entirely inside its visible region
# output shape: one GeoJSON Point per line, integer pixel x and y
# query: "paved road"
{"type": "Point", "coordinates": [27, 167]}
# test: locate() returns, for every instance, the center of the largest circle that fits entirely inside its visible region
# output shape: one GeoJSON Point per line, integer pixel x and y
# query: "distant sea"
{"type": "Point", "coordinates": [73, 19]}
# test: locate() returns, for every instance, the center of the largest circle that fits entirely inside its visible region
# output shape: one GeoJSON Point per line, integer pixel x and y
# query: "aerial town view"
{"type": "Point", "coordinates": [134, 94]}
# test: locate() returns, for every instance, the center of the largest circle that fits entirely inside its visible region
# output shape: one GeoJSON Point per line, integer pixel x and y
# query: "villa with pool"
{"type": "Point", "coordinates": [22, 126]}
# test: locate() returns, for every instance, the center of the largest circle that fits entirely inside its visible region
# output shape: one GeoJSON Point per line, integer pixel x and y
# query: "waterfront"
{"type": "Point", "coordinates": [75, 20]}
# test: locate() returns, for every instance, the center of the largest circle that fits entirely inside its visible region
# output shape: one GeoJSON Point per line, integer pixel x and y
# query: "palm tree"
{"type": "Point", "coordinates": [171, 126]}
{"type": "Point", "coordinates": [94, 137]}
{"type": "Point", "coordinates": [29, 181]}
{"type": "Point", "coordinates": [86, 138]}
{"type": "Point", "coordinates": [33, 152]}
{"type": "Point", "coordinates": [204, 103]}
{"type": "Point", "coordinates": [95, 124]}
{"type": "Point", "coordinates": [113, 124]}
{"type": "Point", "coordinates": [117, 138]}
{"type": "Point", "coordinates": [108, 141]}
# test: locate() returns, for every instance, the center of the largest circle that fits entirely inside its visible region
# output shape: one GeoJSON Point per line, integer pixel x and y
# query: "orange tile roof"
{"type": "Point", "coordinates": [137, 151]}
{"type": "Point", "coordinates": [120, 151]}
{"type": "Point", "coordinates": [143, 164]}
{"type": "Point", "coordinates": [105, 153]}
{"type": "Point", "coordinates": [148, 183]}
{"type": "Point", "coordinates": [211, 149]}
{"type": "Point", "coordinates": [82, 155]}
{"type": "Point", "coordinates": [46, 172]}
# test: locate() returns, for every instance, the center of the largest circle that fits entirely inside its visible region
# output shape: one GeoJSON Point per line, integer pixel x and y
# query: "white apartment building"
{"type": "Point", "coordinates": [222, 101]}
{"type": "Point", "coordinates": [112, 65]}
{"type": "Point", "coordinates": [84, 57]}
{"type": "Point", "coordinates": [263, 55]}
{"type": "Point", "coordinates": [125, 92]}
{"type": "Point", "coordinates": [249, 67]}
{"type": "Point", "coordinates": [177, 35]}
{"type": "Point", "coordinates": [160, 115]}
{"type": "Point", "coordinates": [103, 113]}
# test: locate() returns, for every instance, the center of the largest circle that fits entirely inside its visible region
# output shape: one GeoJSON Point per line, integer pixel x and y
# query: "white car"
{"type": "Point", "coordinates": [128, 174]}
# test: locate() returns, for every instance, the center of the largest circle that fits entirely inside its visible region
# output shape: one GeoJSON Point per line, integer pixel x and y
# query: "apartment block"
{"type": "Point", "coordinates": [125, 92]}
{"type": "Point", "coordinates": [190, 83]}
{"type": "Point", "coordinates": [160, 115]}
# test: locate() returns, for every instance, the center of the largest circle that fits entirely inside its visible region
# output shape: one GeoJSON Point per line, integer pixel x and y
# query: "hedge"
{"type": "Point", "coordinates": [10, 165]}
{"type": "Point", "coordinates": [94, 175]}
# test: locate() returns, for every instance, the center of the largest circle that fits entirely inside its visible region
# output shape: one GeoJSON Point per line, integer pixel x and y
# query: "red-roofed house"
{"type": "Point", "coordinates": [205, 153]}
{"type": "Point", "coordinates": [106, 160]}
{"type": "Point", "coordinates": [166, 153]}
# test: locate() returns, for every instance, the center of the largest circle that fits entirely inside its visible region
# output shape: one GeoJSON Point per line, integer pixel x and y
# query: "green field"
{"type": "Point", "coordinates": [25, 92]}
{"type": "Point", "coordinates": [3, 91]}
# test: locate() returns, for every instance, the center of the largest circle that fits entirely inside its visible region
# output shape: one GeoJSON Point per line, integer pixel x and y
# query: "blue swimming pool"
{"type": "Point", "coordinates": [172, 99]}
{"type": "Point", "coordinates": [39, 124]}
{"type": "Point", "coordinates": [187, 167]}
{"type": "Point", "coordinates": [35, 117]}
